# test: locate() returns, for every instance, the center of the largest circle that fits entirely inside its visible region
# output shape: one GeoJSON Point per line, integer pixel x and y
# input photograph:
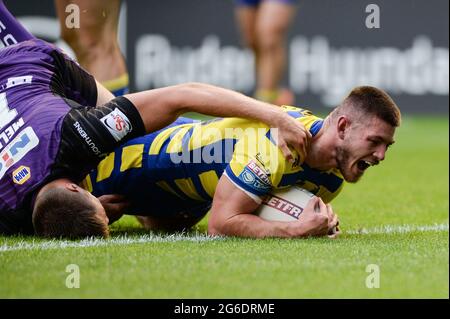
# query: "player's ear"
{"type": "Point", "coordinates": [72, 187]}
{"type": "Point", "coordinates": [343, 124]}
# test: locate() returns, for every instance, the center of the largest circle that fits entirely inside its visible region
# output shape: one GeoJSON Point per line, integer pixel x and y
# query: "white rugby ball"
{"type": "Point", "coordinates": [284, 205]}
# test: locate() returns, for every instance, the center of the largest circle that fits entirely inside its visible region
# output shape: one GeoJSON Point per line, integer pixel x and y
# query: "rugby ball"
{"type": "Point", "coordinates": [284, 205]}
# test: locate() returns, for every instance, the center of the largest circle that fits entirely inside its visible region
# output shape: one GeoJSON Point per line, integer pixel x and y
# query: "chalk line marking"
{"type": "Point", "coordinates": [195, 237]}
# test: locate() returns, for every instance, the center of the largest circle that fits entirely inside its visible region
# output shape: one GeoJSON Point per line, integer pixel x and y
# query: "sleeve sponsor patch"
{"type": "Point", "coordinates": [21, 175]}
{"type": "Point", "coordinates": [117, 124]}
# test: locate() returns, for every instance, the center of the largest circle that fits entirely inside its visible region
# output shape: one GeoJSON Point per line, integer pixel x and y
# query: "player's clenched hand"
{"type": "Point", "coordinates": [114, 205]}
{"type": "Point", "coordinates": [314, 220]}
{"type": "Point", "coordinates": [291, 132]}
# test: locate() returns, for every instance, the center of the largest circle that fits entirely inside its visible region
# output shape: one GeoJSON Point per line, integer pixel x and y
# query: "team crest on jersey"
{"type": "Point", "coordinates": [117, 124]}
{"type": "Point", "coordinates": [255, 177]}
{"type": "Point", "coordinates": [248, 177]}
{"type": "Point", "coordinates": [17, 149]}
{"type": "Point", "coordinates": [21, 175]}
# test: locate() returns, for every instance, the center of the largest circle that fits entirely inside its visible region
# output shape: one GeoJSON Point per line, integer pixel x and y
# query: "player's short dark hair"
{"type": "Point", "coordinates": [371, 100]}
{"type": "Point", "coordinates": [59, 213]}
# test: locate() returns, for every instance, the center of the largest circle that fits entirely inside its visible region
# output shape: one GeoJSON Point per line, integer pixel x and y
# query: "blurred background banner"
{"type": "Point", "coordinates": [330, 47]}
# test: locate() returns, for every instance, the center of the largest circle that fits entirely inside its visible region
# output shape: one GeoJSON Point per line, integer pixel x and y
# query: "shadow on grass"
{"type": "Point", "coordinates": [131, 230]}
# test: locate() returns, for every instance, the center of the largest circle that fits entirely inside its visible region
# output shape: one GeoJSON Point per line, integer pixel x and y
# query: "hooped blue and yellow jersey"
{"type": "Point", "coordinates": [179, 166]}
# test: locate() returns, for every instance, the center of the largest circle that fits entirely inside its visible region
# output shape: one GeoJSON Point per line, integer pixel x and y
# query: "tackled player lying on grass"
{"type": "Point", "coordinates": [174, 175]}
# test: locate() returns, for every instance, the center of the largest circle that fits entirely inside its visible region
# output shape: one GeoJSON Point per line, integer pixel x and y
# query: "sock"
{"type": "Point", "coordinates": [281, 96]}
{"type": "Point", "coordinates": [266, 95]}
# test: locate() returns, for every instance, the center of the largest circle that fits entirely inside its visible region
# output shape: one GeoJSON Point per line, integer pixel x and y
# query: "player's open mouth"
{"type": "Point", "coordinates": [363, 165]}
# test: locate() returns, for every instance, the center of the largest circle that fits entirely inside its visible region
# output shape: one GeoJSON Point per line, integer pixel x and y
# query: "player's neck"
{"type": "Point", "coordinates": [321, 153]}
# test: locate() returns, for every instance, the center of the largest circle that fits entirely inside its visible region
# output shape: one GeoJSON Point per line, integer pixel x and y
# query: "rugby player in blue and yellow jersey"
{"type": "Point", "coordinates": [174, 175]}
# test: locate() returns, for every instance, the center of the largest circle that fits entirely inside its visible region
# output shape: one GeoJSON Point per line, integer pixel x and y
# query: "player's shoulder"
{"type": "Point", "coordinates": [296, 111]}
{"type": "Point", "coordinates": [33, 46]}
{"type": "Point", "coordinates": [311, 122]}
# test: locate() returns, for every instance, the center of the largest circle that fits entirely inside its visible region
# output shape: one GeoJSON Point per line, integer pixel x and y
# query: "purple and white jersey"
{"type": "Point", "coordinates": [50, 126]}
{"type": "Point", "coordinates": [31, 116]}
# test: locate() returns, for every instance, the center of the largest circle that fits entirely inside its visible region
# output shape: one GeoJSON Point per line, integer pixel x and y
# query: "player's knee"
{"type": "Point", "coordinates": [70, 36]}
{"type": "Point", "coordinates": [250, 42]}
{"type": "Point", "coordinates": [269, 37]}
{"type": "Point", "coordinates": [59, 213]}
{"type": "Point", "coordinates": [91, 46]}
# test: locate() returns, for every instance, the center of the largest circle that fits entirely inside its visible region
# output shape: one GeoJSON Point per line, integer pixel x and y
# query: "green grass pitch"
{"type": "Point", "coordinates": [395, 218]}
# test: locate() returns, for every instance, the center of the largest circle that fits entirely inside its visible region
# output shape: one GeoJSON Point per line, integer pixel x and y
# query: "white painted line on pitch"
{"type": "Point", "coordinates": [400, 229]}
{"type": "Point", "coordinates": [98, 242]}
{"type": "Point", "coordinates": [124, 240]}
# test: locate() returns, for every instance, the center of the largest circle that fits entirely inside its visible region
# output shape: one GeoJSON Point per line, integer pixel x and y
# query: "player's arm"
{"type": "Point", "coordinates": [160, 107]}
{"type": "Point", "coordinates": [115, 206]}
{"type": "Point", "coordinates": [11, 29]}
{"type": "Point", "coordinates": [103, 94]}
{"type": "Point", "coordinates": [231, 215]}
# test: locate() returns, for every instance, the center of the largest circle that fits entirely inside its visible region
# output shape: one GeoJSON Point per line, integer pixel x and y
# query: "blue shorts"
{"type": "Point", "coordinates": [255, 3]}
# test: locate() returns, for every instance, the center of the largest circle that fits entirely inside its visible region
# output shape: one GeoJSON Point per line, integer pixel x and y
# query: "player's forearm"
{"type": "Point", "coordinates": [160, 107]}
{"type": "Point", "coordinates": [248, 225]}
{"type": "Point", "coordinates": [216, 101]}
{"type": "Point", "coordinates": [103, 95]}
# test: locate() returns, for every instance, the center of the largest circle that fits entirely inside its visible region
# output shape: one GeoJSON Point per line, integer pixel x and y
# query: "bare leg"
{"type": "Point", "coordinates": [273, 21]}
{"type": "Point", "coordinates": [246, 21]}
{"type": "Point", "coordinates": [95, 42]}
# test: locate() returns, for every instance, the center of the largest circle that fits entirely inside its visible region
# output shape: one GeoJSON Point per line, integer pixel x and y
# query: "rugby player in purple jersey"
{"type": "Point", "coordinates": [57, 122]}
